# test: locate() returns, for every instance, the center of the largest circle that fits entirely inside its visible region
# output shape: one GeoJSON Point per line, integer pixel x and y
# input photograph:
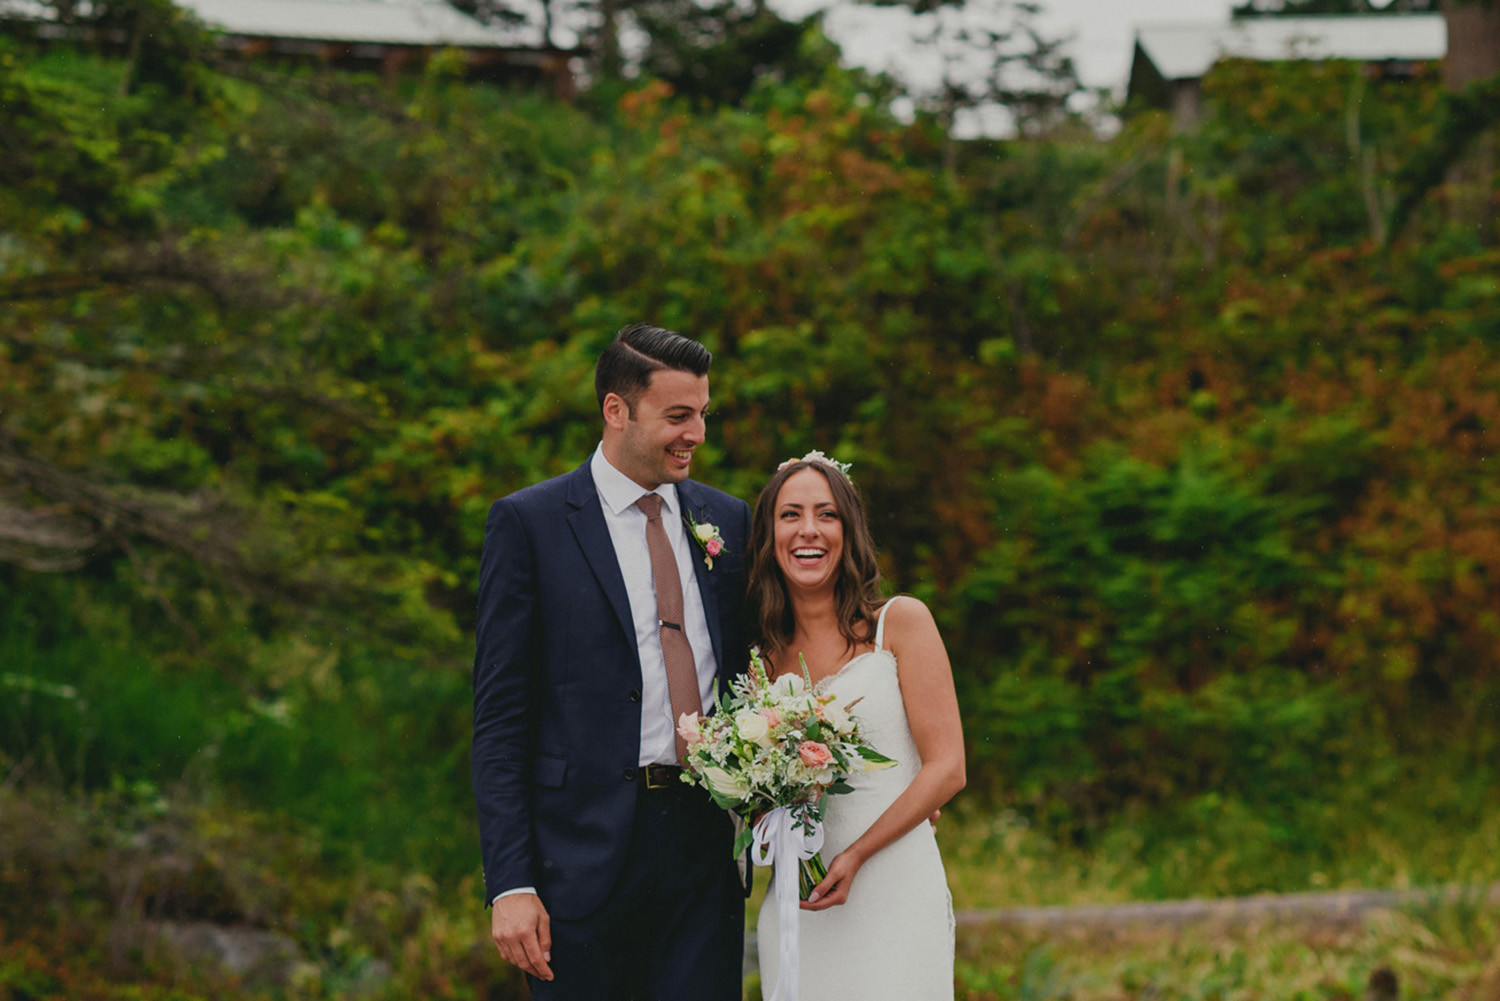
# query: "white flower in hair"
{"type": "Point", "coordinates": [817, 456]}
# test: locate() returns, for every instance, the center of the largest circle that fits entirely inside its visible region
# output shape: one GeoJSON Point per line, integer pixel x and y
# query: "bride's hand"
{"type": "Point", "coordinates": [834, 889]}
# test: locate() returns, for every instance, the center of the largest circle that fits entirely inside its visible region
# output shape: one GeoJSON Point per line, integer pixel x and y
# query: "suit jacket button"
{"type": "Point", "coordinates": [630, 775]}
{"type": "Point", "coordinates": [635, 696]}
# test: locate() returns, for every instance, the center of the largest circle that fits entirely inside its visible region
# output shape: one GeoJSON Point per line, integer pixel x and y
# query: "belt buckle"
{"type": "Point", "coordinates": [651, 773]}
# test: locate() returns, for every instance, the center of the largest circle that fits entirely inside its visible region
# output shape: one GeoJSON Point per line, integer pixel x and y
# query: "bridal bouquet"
{"type": "Point", "coordinates": [776, 749]}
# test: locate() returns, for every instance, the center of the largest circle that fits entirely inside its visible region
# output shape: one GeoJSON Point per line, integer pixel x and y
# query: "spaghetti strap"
{"type": "Point", "coordinates": [880, 623]}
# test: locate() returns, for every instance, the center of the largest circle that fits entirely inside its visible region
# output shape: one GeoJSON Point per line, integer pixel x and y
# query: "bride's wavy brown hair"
{"type": "Point", "coordinates": [857, 592]}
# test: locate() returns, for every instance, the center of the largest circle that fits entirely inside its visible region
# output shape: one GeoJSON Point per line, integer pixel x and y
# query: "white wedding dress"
{"type": "Point", "coordinates": [893, 939]}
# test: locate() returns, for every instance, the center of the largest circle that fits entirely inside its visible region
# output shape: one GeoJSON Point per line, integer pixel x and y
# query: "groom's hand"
{"type": "Point", "coordinates": [523, 933]}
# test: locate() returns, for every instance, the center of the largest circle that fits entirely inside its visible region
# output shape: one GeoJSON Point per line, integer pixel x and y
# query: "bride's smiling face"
{"type": "Point", "coordinates": [809, 532]}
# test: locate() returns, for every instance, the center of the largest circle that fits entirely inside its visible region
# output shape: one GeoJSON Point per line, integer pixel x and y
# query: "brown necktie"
{"type": "Point", "coordinates": [682, 675]}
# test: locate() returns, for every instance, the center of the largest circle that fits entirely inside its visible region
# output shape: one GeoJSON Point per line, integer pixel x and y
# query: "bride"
{"type": "Point", "coordinates": [880, 926]}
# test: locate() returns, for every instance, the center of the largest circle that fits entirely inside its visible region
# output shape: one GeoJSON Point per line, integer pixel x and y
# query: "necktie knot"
{"type": "Point", "coordinates": [651, 504]}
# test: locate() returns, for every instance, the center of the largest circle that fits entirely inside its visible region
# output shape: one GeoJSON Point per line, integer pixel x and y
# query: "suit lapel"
{"type": "Point", "coordinates": [693, 503]}
{"type": "Point", "coordinates": [587, 521]}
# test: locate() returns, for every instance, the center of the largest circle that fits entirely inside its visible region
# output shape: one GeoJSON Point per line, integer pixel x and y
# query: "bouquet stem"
{"type": "Point", "coordinates": [810, 872]}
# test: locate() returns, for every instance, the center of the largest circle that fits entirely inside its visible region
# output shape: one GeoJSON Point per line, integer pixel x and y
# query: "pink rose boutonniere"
{"type": "Point", "coordinates": [706, 534]}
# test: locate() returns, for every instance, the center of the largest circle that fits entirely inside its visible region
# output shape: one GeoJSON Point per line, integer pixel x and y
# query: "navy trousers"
{"type": "Point", "coordinates": [674, 927]}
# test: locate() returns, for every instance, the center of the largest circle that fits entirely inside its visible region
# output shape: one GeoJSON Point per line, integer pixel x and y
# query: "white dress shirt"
{"type": "Point", "coordinates": [627, 531]}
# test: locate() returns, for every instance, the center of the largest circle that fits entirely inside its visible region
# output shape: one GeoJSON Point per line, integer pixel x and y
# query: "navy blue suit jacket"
{"type": "Point", "coordinates": [557, 682]}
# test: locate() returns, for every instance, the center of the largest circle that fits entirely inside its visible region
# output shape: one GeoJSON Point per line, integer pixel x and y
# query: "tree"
{"type": "Point", "coordinates": [995, 60]}
{"type": "Point", "coordinates": [501, 12]}
{"type": "Point", "coordinates": [715, 53]}
{"type": "Point", "coordinates": [164, 44]}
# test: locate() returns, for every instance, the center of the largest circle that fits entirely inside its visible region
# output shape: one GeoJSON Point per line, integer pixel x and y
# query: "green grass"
{"type": "Point", "coordinates": [1449, 953]}
{"type": "Point", "coordinates": [79, 709]}
{"type": "Point", "coordinates": [370, 751]}
{"type": "Point", "coordinates": [1433, 824]}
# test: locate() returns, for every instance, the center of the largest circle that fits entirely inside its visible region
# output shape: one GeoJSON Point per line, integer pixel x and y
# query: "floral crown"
{"type": "Point", "coordinates": [816, 456]}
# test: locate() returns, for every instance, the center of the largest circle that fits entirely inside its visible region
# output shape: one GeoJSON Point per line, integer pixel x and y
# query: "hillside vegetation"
{"type": "Point", "coordinates": [1188, 436]}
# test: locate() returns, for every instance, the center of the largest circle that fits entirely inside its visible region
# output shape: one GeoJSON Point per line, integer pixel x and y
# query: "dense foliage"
{"type": "Point", "coordinates": [1186, 444]}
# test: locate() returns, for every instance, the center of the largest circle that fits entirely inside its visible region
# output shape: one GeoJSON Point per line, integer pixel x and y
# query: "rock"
{"type": "Point", "coordinates": [258, 957]}
{"type": "Point", "coordinates": [371, 979]}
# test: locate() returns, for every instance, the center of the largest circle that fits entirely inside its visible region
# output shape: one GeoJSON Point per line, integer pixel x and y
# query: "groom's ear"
{"type": "Point", "coordinates": [616, 411]}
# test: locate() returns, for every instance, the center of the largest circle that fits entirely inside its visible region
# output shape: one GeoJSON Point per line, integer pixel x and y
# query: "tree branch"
{"type": "Point", "coordinates": [189, 371]}
{"type": "Point", "coordinates": [1466, 115]}
{"type": "Point", "coordinates": [167, 269]}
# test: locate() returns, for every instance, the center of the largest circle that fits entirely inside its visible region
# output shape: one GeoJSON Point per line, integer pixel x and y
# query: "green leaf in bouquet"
{"type": "Point", "coordinates": [874, 757]}
{"type": "Point", "coordinates": [806, 674]}
{"type": "Point", "coordinates": [720, 800]}
{"type": "Point", "coordinates": [742, 840]}
{"type": "Point", "coordinates": [839, 787]}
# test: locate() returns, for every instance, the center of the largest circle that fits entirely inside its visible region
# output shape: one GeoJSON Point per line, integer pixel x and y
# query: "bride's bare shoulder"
{"type": "Point", "coordinates": [906, 615]}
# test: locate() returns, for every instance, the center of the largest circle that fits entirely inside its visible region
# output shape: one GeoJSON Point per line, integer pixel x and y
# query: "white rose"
{"type": "Point", "coordinates": [726, 783]}
{"type": "Point", "coordinates": [750, 725]}
{"type": "Point", "coordinates": [842, 722]}
{"type": "Point", "coordinates": [705, 531]}
{"type": "Point", "coordinates": [788, 686]}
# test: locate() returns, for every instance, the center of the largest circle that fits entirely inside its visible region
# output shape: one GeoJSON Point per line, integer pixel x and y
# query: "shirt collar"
{"type": "Point", "coordinates": [620, 492]}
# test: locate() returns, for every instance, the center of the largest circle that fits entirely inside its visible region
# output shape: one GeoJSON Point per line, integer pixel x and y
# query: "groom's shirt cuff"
{"type": "Point", "coordinates": [511, 893]}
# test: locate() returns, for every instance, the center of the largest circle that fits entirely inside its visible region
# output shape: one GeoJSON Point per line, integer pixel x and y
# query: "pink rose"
{"type": "Point", "coordinates": [687, 729]}
{"type": "Point", "coordinates": [714, 547]}
{"type": "Point", "coordinates": [772, 717]}
{"type": "Point", "coordinates": [814, 754]}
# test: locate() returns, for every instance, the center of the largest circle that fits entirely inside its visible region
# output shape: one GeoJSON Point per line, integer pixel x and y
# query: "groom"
{"type": "Point", "coordinates": [601, 621]}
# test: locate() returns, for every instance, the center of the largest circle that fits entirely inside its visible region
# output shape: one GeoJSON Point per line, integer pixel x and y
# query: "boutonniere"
{"type": "Point", "coordinates": [706, 534]}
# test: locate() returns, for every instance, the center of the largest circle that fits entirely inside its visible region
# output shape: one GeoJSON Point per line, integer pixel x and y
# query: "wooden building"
{"type": "Point", "coordinates": [382, 35]}
{"type": "Point", "coordinates": [1171, 59]}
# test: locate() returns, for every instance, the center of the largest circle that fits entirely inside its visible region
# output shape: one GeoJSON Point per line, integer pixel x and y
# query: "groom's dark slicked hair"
{"type": "Point", "coordinates": [637, 351]}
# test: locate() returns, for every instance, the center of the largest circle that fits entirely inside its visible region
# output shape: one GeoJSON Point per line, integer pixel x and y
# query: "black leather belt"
{"type": "Point", "coordinates": [661, 776]}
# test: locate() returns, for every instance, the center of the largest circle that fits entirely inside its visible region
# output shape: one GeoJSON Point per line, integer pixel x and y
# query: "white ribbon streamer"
{"type": "Point", "coordinates": [782, 836]}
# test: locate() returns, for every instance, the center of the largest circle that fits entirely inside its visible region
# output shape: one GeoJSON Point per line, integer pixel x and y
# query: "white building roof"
{"type": "Point", "coordinates": [389, 22]}
{"type": "Point", "coordinates": [1185, 51]}
{"type": "Point", "coordinates": [392, 22]}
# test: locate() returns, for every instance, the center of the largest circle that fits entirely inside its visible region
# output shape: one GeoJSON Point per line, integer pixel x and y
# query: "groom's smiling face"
{"type": "Point", "coordinates": [655, 444]}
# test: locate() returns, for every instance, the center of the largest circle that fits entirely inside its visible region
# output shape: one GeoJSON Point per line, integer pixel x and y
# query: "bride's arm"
{"type": "Point", "coordinates": [932, 711]}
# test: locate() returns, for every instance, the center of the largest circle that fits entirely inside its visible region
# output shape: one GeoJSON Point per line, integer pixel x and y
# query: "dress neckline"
{"type": "Point", "coordinates": [829, 679]}
{"type": "Point", "coordinates": [879, 648]}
